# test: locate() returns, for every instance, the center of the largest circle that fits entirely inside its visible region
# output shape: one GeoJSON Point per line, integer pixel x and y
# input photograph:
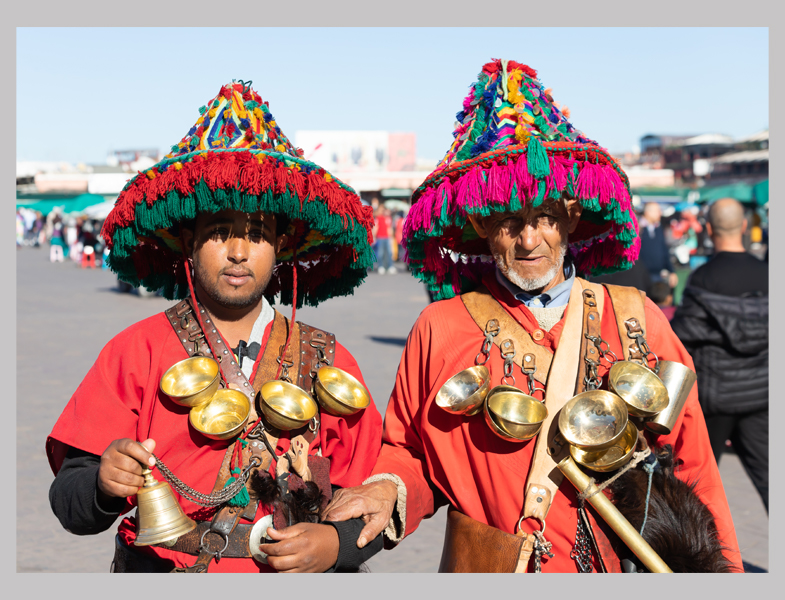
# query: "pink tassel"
{"type": "Point", "coordinates": [527, 185]}
{"type": "Point", "coordinates": [426, 202]}
{"type": "Point", "coordinates": [443, 194]}
{"type": "Point", "coordinates": [498, 188]}
{"type": "Point", "coordinates": [587, 182]}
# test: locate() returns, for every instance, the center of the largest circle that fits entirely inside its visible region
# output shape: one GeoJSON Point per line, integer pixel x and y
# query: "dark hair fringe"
{"type": "Point", "coordinates": [679, 526]}
{"type": "Point", "coordinates": [302, 504]}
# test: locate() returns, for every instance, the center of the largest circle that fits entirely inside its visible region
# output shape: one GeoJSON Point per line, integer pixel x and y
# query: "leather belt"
{"type": "Point", "coordinates": [234, 545]}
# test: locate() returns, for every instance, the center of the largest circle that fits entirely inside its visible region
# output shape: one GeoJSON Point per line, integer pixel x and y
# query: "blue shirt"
{"type": "Point", "coordinates": [558, 295]}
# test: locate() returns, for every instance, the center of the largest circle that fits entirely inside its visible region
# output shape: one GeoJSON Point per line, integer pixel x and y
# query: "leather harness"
{"type": "Point", "coordinates": [472, 546]}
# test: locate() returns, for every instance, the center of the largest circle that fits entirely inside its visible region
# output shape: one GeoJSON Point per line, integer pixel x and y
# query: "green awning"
{"type": "Point", "coordinates": [761, 192]}
{"type": "Point", "coordinates": [739, 191]}
{"type": "Point", "coordinates": [70, 204]}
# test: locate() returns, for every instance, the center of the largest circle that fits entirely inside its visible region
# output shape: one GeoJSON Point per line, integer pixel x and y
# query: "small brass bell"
{"type": "Point", "coordinates": [159, 516]}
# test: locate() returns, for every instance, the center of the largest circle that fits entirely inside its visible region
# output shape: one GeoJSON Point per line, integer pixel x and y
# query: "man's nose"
{"type": "Point", "coordinates": [238, 249]}
{"type": "Point", "coordinates": [529, 237]}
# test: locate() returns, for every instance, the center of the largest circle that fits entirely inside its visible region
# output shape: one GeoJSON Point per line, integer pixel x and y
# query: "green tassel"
{"type": "Point", "coordinates": [216, 102]}
{"type": "Point", "coordinates": [241, 498]}
{"type": "Point", "coordinates": [537, 159]}
{"type": "Point", "coordinates": [202, 110]}
{"type": "Point", "coordinates": [251, 104]}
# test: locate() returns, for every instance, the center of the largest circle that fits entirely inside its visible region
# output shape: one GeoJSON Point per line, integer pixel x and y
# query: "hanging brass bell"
{"type": "Point", "coordinates": [159, 517]}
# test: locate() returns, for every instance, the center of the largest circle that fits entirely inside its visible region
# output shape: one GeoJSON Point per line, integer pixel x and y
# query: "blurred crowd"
{"type": "Point", "coordinates": [388, 220]}
{"type": "Point", "coordinates": [69, 237]}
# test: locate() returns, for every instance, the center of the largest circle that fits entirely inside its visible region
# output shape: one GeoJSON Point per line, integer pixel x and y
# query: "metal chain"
{"type": "Point", "coordinates": [508, 366]}
{"type": "Point", "coordinates": [604, 352]}
{"type": "Point", "coordinates": [581, 551]}
{"type": "Point", "coordinates": [592, 379]}
{"type": "Point", "coordinates": [541, 547]}
{"type": "Point", "coordinates": [491, 331]}
{"type": "Point", "coordinates": [211, 500]}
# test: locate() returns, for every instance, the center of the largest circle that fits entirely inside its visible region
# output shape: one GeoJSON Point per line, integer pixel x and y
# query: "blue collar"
{"type": "Point", "coordinates": [558, 295]}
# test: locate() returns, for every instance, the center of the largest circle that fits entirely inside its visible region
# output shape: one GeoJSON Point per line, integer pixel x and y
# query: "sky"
{"type": "Point", "coordinates": [83, 92]}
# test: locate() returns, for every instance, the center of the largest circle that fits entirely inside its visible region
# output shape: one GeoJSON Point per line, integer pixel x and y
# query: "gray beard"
{"type": "Point", "coordinates": [530, 284]}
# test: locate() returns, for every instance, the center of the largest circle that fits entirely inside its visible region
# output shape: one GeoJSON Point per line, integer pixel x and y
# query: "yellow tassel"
{"type": "Point", "coordinates": [200, 120]}
{"type": "Point", "coordinates": [257, 112]}
{"type": "Point", "coordinates": [521, 134]}
{"type": "Point", "coordinates": [211, 112]}
{"type": "Point", "coordinates": [260, 158]}
{"type": "Point", "coordinates": [227, 114]}
{"type": "Point", "coordinates": [280, 148]}
{"type": "Point", "coordinates": [178, 166]}
{"type": "Point", "coordinates": [150, 175]}
{"type": "Point", "coordinates": [328, 177]}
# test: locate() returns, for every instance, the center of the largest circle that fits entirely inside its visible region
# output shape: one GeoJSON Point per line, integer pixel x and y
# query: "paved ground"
{"type": "Point", "coordinates": [64, 317]}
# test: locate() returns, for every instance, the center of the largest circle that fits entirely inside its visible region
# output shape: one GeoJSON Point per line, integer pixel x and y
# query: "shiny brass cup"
{"type": "Point", "coordinates": [339, 393]}
{"type": "Point", "coordinates": [513, 415]}
{"type": "Point", "coordinates": [192, 381]}
{"type": "Point", "coordinates": [612, 458]}
{"type": "Point", "coordinates": [639, 387]}
{"type": "Point", "coordinates": [464, 393]}
{"type": "Point", "coordinates": [593, 420]}
{"type": "Point", "coordinates": [223, 417]}
{"type": "Point", "coordinates": [678, 380]}
{"type": "Point", "coordinates": [286, 406]}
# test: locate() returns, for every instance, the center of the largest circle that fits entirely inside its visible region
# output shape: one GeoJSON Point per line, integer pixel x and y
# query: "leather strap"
{"type": "Point", "coordinates": [591, 327]}
{"type": "Point", "coordinates": [628, 303]}
{"type": "Point", "coordinates": [237, 547]}
{"type": "Point", "coordinates": [483, 307]}
{"type": "Point", "coordinates": [474, 547]}
{"type": "Point", "coordinates": [544, 478]}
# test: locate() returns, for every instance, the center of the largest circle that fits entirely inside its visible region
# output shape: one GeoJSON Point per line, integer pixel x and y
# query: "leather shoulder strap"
{"type": "Point", "coordinates": [628, 303]}
{"type": "Point", "coordinates": [317, 349]}
{"type": "Point", "coordinates": [483, 307]}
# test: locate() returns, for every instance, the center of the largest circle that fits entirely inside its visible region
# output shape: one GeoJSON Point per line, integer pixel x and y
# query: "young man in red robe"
{"type": "Point", "coordinates": [520, 207]}
{"type": "Point", "coordinates": [230, 218]}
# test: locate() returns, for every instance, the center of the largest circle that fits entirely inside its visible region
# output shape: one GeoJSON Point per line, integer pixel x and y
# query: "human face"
{"type": "Point", "coordinates": [233, 254]}
{"type": "Point", "coordinates": [529, 245]}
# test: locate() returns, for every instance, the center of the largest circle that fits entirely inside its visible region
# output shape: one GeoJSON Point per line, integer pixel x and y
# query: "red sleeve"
{"type": "Point", "coordinates": [351, 443]}
{"type": "Point", "coordinates": [107, 403]}
{"type": "Point", "coordinates": [689, 437]}
{"type": "Point", "coordinates": [403, 452]}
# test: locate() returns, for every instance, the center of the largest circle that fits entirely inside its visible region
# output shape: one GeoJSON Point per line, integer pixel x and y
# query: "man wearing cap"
{"type": "Point", "coordinates": [529, 206]}
{"type": "Point", "coordinates": [232, 217]}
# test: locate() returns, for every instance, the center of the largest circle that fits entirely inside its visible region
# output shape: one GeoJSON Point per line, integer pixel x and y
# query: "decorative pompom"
{"type": "Point", "coordinates": [537, 159]}
{"type": "Point", "coordinates": [202, 110]}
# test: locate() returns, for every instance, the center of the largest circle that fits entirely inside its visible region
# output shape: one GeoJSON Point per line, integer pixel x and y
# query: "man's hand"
{"type": "Point", "coordinates": [120, 473]}
{"type": "Point", "coordinates": [374, 502]}
{"type": "Point", "coordinates": [302, 548]}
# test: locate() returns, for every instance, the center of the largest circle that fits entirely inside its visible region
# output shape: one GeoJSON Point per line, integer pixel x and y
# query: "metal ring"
{"type": "Point", "coordinates": [206, 549]}
{"type": "Point", "coordinates": [509, 377]}
{"type": "Point", "coordinates": [313, 425]}
{"type": "Point", "coordinates": [477, 358]}
{"type": "Point", "coordinates": [542, 531]}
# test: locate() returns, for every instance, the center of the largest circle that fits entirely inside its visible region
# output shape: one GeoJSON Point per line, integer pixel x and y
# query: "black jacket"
{"type": "Point", "coordinates": [728, 338]}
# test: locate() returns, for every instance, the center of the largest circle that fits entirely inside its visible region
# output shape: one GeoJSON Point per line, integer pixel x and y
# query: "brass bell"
{"type": "Point", "coordinates": [159, 517]}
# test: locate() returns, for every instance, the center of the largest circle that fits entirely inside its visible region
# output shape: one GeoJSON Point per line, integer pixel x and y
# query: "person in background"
{"type": "Point", "coordinates": [723, 321]}
{"type": "Point", "coordinates": [383, 227]}
{"type": "Point", "coordinates": [654, 248]}
{"type": "Point", "coordinates": [662, 295]}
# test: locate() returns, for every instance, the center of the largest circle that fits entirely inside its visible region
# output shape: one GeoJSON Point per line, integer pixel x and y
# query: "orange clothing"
{"type": "Point", "coordinates": [445, 458]}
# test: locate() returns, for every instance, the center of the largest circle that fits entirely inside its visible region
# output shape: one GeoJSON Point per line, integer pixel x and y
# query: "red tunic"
{"type": "Point", "coordinates": [120, 398]}
{"type": "Point", "coordinates": [440, 455]}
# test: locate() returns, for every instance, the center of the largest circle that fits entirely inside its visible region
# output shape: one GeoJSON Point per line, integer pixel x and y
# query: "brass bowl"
{"type": "Point", "coordinates": [464, 393]}
{"type": "Point", "coordinates": [223, 417]}
{"type": "Point", "coordinates": [639, 387]}
{"type": "Point", "coordinates": [593, 420]}
{"type": "Point", "coordinates": [339, 393]}
{"type": "Point", "coordinates": [512, 414]}
{"type": "Point", "coordinates": [614, 457]}
{"type": "Point", "coordinates": [286, 406]}
{"type": "Point", "coordinates": [192, 381]}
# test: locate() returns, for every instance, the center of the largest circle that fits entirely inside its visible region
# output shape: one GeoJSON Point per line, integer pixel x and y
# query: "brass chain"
{"type": "Point", "coordinates": [211, 500]}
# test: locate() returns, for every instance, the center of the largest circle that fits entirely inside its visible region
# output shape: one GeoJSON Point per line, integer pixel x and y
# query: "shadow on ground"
{"type": "Point", "coordinates": [395, 341]}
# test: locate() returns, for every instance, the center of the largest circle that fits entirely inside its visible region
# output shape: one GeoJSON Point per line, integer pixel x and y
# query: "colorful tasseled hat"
{"type": "Point", "coordinates": [236, 157]}
{"type": "Point", "coordinates": [514, 145]}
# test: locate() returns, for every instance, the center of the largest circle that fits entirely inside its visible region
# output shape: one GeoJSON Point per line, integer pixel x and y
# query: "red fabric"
{"type": "Point", "coordinates": [382, 227]}
{"type": "Point", "coordinates": [483, 476]}
{"type": "Point", "coordinates": [120, 398]}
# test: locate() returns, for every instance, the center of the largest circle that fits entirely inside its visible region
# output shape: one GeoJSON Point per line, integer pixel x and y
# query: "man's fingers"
{"type": "Point", "coordinates": [137, 451]}
{"type": "Point", "coordinates": [149, 445]}
{"type": "Point", "coordinates": [286, 533]}
{"type": "Point", "coordinates": [374, 526]}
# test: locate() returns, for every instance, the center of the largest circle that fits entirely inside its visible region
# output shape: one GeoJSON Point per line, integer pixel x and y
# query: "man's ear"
{"type": "Point", "coordinates": [574, 211]}
{"type": "Point", "coordinates": [744, 226]}
{"type": "Point", "coordinates": [187, 236]}
{"type": "Point", "coordinates": [280, 242]}
{"type": "Point", "coordinates": [479, 226]}
{"type": "Point", "coordinates": [709, 230]}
